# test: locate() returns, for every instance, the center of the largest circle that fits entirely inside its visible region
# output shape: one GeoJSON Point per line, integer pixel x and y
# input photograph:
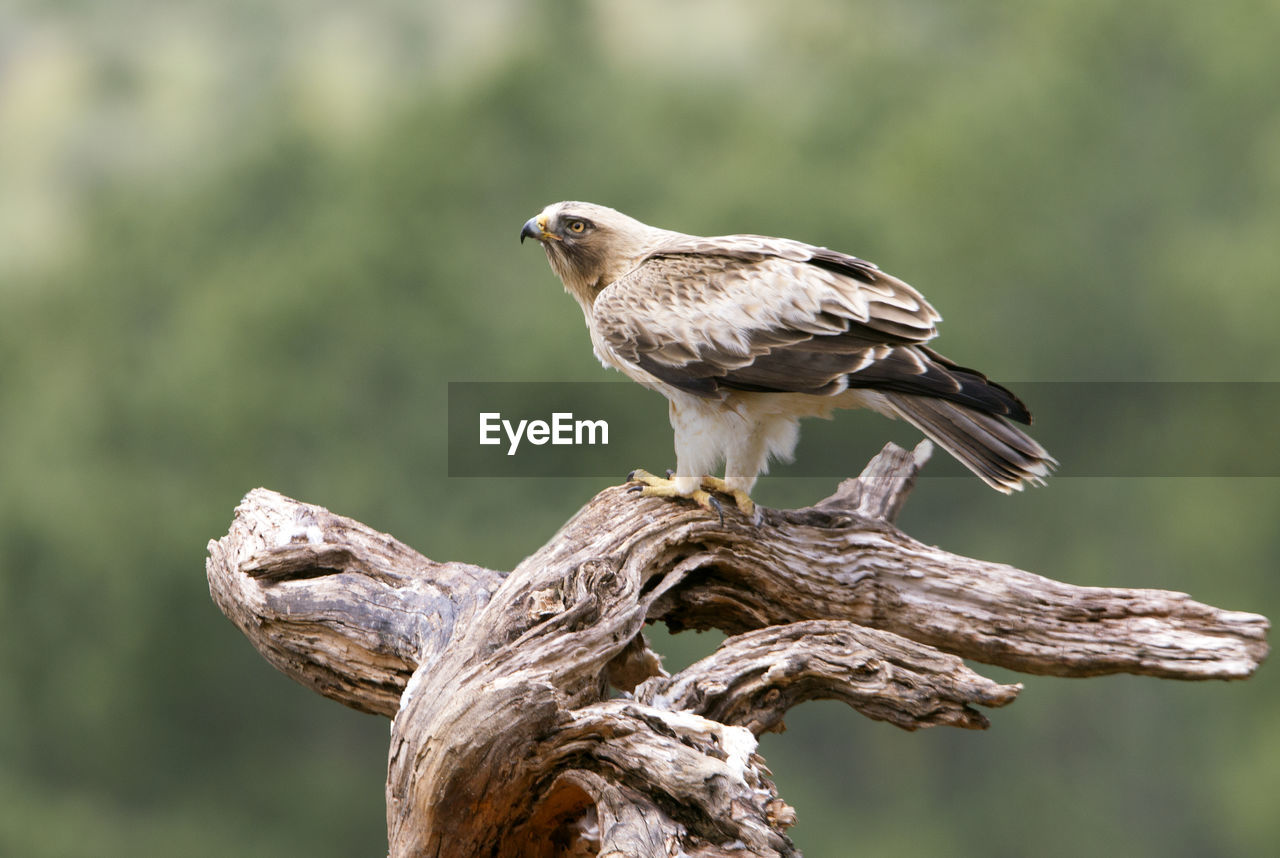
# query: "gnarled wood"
{"type": "Point", "coordinates": [754, 678]}
{"type": "Point", "coordinates": [336, 605]}
{"type": "Point", "coordinates": [505, 739]}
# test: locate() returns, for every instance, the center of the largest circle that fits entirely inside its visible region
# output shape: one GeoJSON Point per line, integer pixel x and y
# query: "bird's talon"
{"type": "Point", "coordinates": [647, 485]}
{"type": "Point", "coordinates": [713, 503]}
{"type": "Point", "coordinates": [741, 499]}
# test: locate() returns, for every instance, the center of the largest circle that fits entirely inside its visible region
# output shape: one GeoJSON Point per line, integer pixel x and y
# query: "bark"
{"type": "Point", "coordinates": [508, 734]}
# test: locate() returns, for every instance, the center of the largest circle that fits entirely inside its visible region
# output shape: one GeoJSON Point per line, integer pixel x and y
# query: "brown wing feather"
{"type": "Point", "coordinates": [769, 315]}
{"type": "Point", "coordinates": [749, 312]}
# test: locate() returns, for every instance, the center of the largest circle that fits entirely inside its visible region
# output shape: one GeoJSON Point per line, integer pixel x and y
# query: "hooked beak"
{"type": "Point", "coordinates": [536, 228]}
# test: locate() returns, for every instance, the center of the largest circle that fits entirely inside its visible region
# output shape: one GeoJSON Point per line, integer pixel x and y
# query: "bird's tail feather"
{"type": "Point", "coordinates": [1001, 454]}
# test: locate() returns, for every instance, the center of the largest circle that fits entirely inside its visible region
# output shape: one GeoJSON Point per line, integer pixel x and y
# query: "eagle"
{"type": "Point", "coordinates": [745, 335]}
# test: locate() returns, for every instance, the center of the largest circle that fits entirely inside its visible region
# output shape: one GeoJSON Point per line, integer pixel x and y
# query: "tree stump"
{"type": "Point", "coordinates": [530, 717]}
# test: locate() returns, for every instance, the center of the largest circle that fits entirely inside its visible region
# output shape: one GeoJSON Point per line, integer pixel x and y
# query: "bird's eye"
{"type": "Point", "coordinates": [577, 227]}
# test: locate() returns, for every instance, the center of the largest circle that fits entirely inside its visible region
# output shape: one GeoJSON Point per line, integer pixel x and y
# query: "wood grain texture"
{"type": "Point", "coordinates": [531, 718]}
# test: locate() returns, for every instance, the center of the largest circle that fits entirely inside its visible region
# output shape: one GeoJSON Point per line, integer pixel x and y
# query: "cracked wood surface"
{"type": "Point", "coordinates": [505, 739]}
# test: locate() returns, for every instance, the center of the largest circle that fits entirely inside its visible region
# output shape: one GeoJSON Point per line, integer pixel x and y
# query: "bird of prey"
{"type": "Point", "coordinates": [746, 334]}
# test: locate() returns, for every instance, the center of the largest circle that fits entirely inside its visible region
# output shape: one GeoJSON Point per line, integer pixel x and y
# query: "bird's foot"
{"type": "Point", "coordinates": [740, 498]}
{"type": "Point", "coordinates": [651, 486]}
{"type": "Point", "coordinates": [648, 485]}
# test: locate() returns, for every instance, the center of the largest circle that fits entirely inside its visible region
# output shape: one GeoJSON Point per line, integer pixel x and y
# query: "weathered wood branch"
{"type": "Point", "coordinates": [336, 605]}
{"type": "Point", "coordinates": [754, 678]}
{"type": "Point", "coordinates": [505, 740]}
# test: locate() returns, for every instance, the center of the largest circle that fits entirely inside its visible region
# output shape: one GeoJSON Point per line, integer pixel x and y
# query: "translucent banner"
{"type": "Point", "coordinates": [1095, 429]}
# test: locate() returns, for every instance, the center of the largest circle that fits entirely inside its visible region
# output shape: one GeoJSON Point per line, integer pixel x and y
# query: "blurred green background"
{"type": "Point", "coordinates": [249, 244]}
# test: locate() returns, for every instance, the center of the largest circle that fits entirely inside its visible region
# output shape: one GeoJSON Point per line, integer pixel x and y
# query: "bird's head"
{"type": "Point", "coordinates": [590, 246]}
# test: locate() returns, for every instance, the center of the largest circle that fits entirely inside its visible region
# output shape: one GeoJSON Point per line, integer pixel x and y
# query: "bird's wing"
{"type": "Point", "coordinates": [750, 313]}
{"type": "Point", "coordinates": [746, 313]}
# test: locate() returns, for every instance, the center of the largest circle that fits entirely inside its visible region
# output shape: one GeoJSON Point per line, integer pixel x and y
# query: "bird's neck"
{"type": "Point", "coordinates": [582, 287]}
{"type": "Point", "coordinates": [583, 292]}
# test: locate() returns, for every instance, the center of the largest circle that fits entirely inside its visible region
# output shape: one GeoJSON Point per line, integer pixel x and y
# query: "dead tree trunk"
{"type": "Point", "coordinates": [506, 739]}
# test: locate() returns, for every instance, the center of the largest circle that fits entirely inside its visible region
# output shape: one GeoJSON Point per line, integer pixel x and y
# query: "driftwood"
{"type": "Point", "coordinates": [530, 717]}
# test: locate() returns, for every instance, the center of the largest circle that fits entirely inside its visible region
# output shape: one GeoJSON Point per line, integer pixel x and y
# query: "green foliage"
{"type": "Point", "coordinates": [1086, 190]}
